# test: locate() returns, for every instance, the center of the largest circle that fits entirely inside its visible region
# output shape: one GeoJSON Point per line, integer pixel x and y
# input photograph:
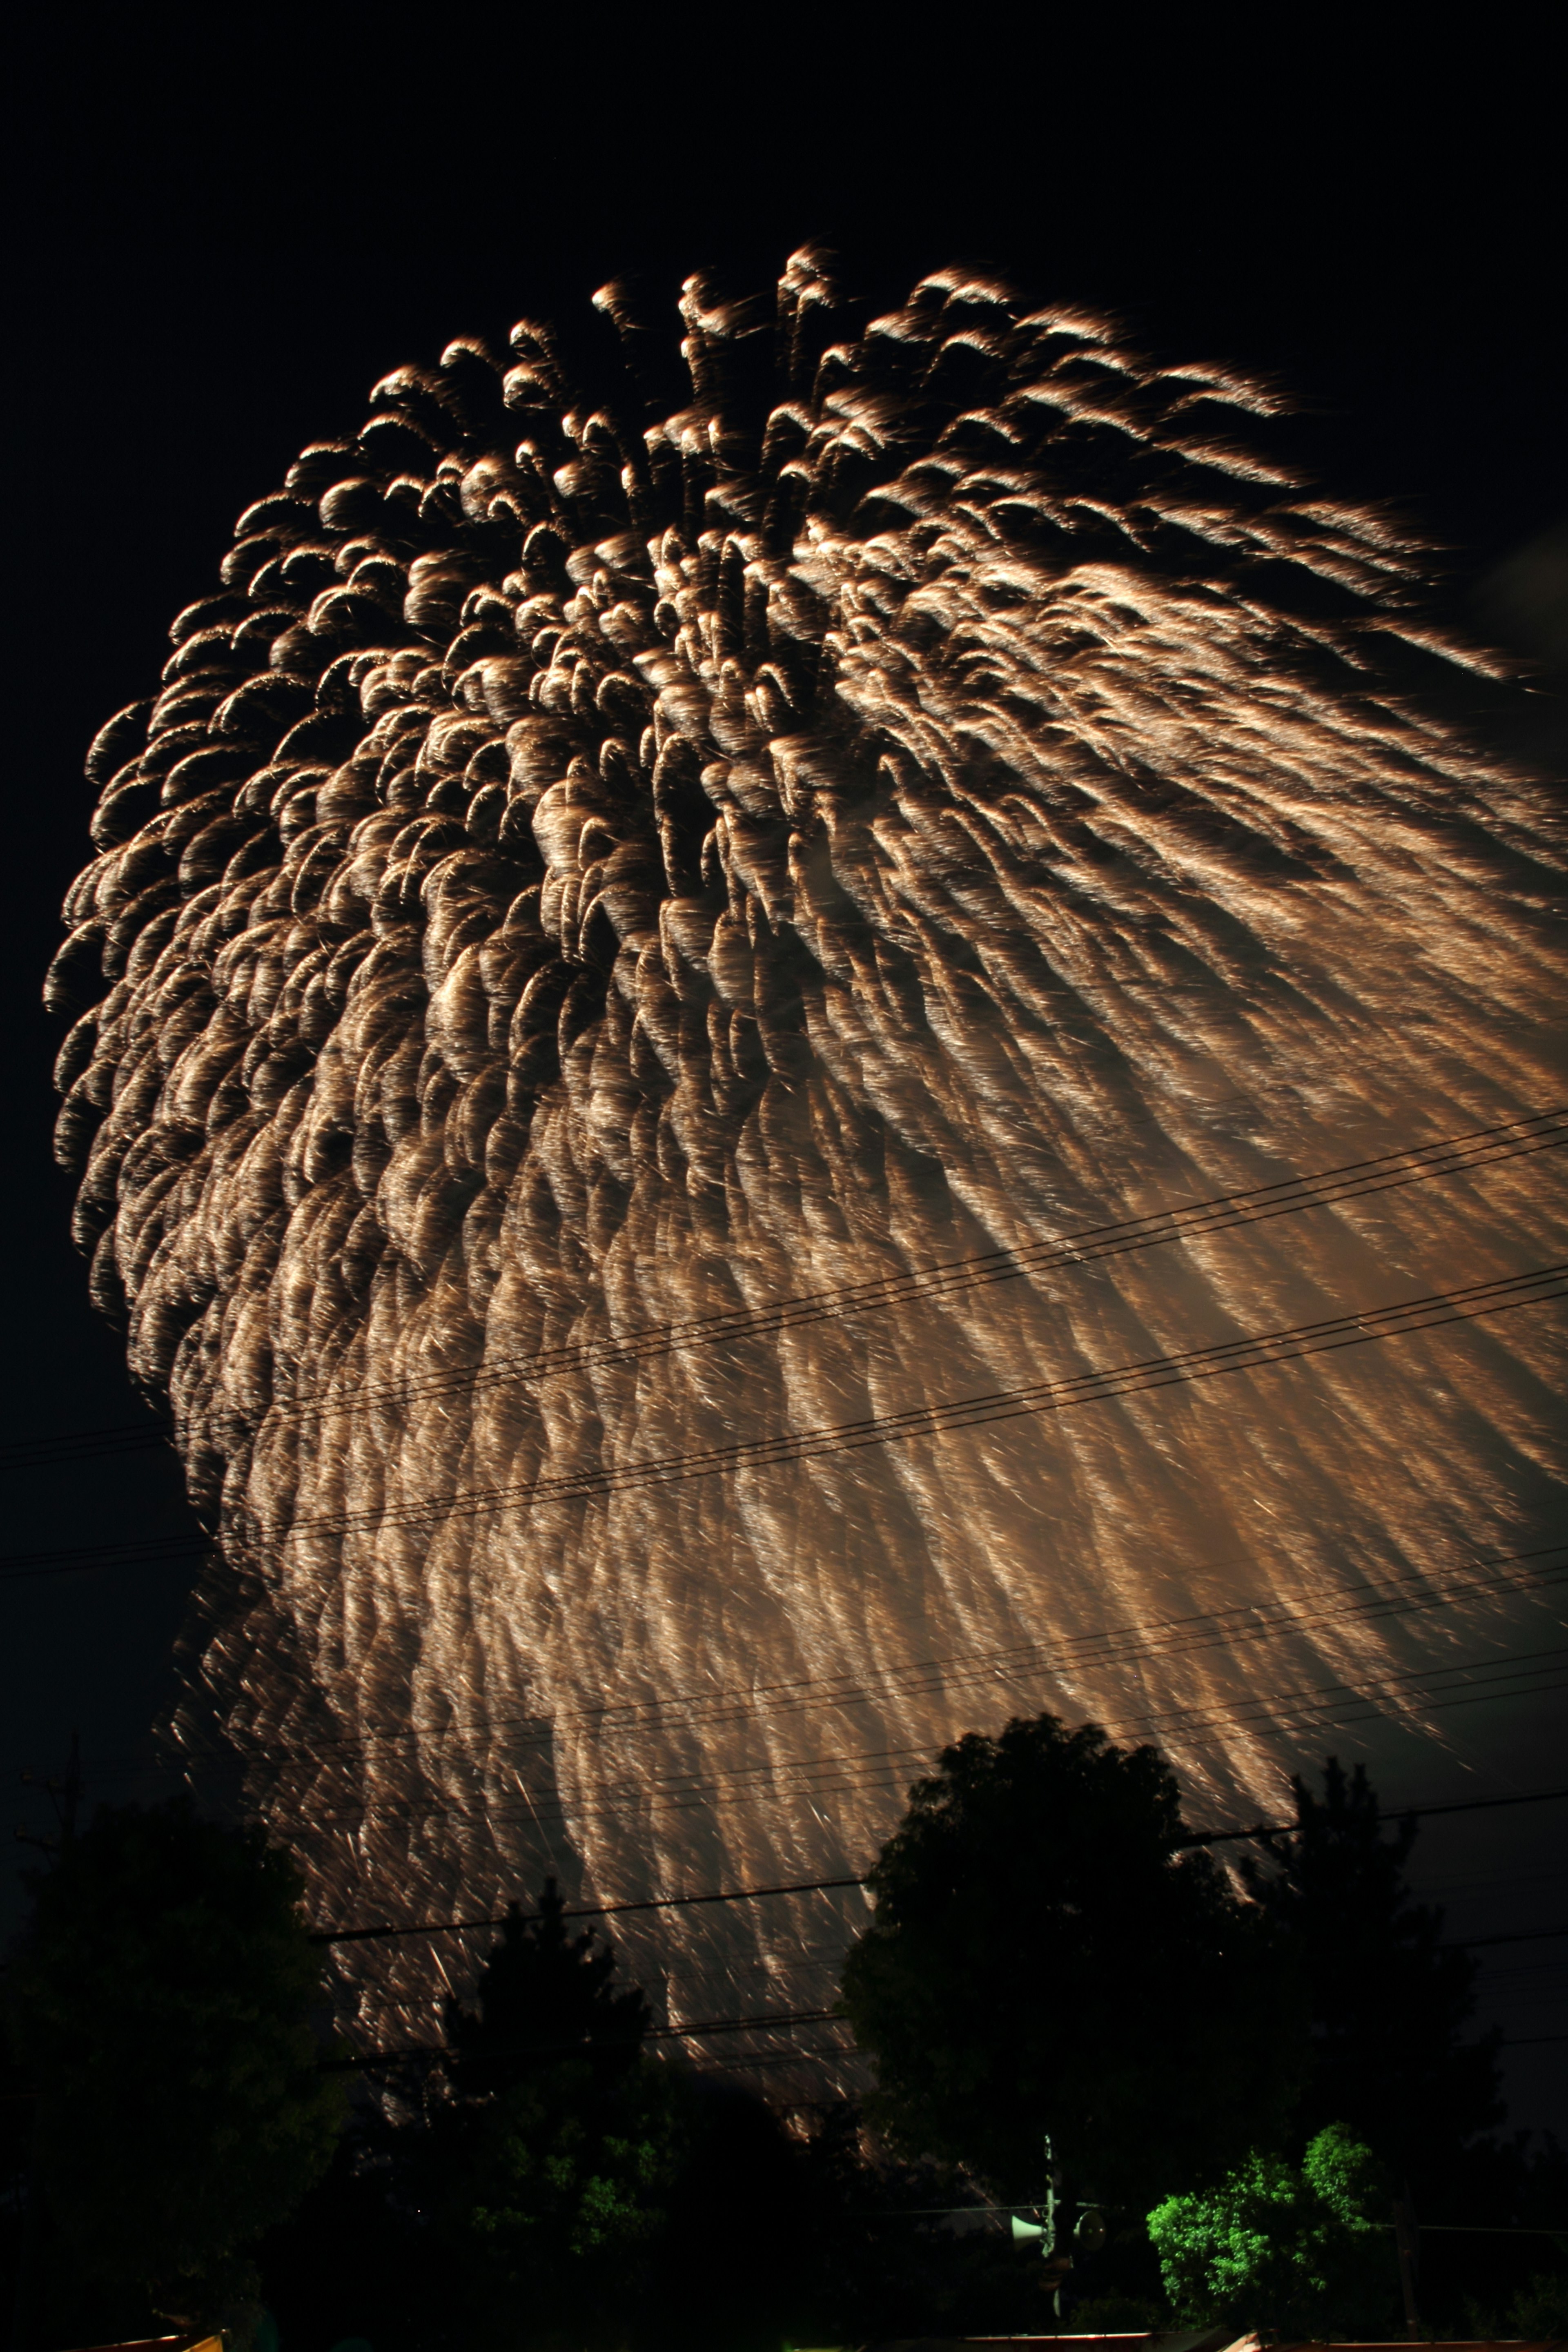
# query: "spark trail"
{"type": "Point", "coordinates": [927, 884]}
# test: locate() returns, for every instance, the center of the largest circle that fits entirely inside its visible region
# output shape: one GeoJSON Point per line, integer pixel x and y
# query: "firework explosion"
{"type": "Point", "coordinates": [698, 1009]}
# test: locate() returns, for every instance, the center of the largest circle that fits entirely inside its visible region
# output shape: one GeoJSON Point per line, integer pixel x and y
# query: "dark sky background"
{"type": "Point", "coordinates": [222, 234]}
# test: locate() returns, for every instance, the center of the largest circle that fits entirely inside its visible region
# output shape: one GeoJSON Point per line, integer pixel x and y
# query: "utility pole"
{"type": "Point", "coordinates": [1043, 2231]}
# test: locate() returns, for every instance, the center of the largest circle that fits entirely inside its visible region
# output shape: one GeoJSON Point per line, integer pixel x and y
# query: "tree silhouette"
{"type": "Point", "coordinates": [1389, 2002]}
{"type": "Point", "coordinates": [159, 2004]}
{"type": "Point", "coordinates": [545, 2171]}
{"type": "Point", "coordinates": [545, 1996]}
{"type": "Point", "coordinates": [1043, 1958]}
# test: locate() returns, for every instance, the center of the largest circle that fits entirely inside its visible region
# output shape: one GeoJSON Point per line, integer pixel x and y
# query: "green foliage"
{"type": "Point", "coordinates": [1042, 1957]}
{"type": "Point", "coordinates": [1043, 1960]}
{"type": "Point", "coordinates": [546, 2173]}
{"type": "Point", "coordinates": [1294, 2251]}
{"type": "Point", "coordinates": [557, 2171]}
{"type": "Point", "coordinates": [1389, 2003]}
{"type": "Point", "coordinates": [1534, 2304]}
{"type": "Point", "coordinates": [161, 2005]}
{"type": "Point", "coordinates": [1541, 2309]}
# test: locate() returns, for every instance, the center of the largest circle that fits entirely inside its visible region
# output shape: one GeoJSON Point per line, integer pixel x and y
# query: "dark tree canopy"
{"type": "Point", "coordinates": [161, 2004]}
{"type": "Point", "coordinates": [546, 2173]}
{"type": "Point", "coordinates": [545, 1996]}
{"type": "Point", "coordinates": [1043, 1960]}
{"type": "Point", "coordinates": [563, 2190]}
{"type": "Point", "coordinates": [1390, 2004]}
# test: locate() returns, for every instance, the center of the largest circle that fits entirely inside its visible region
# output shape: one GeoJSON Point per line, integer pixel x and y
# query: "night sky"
{"type": "Point", "coordinates": [218, 250]}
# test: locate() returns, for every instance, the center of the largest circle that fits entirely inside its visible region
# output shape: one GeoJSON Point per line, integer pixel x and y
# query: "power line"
{"type": "Point", "coordinates": [1480, 1149]}
{"type": "Point", "coordinates": [861, 1772]}
{"type": "Point", "coordinates": [1471, 1805]}
{"type": "Point", "coordinates": [1482, 2228]}
{"type": "Point", "coordinates": [81, 1444]}
{"type": "Point", "coordinates": [592, 1910]}
{"type": "Point", "coordinates": [817, 1886]}
{"type": "Point", "coordinates": [768, 2021]}
{"type": "Point", "coordinates": [1524, 1935]}
{"type": "Point", "coordinates": [1249, 1621]}
{"type": "Point", "coordinates": [1311, 1708]}
{"type": "Point", "coordinates": [804, 2053]}
{"type": "Point", "coordinates": [780, 2021]}
{"type": "Point", "coordinates": [1317, 1706]}
{"type": "Point", "coordinates": [1465, 1303]}
{"type": "Point", "coordinates": [149, 1551]}
{"type": "Point", "coordinates": [1451, 1155]}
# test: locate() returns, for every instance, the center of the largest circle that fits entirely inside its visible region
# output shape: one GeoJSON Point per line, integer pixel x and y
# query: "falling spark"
{"type": "Point", "coordinates": [631, 941]}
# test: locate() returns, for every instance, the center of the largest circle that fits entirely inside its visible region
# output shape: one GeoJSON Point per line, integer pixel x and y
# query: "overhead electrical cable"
{"type": "Point", "coordinates": [1317, 1709]}
{"type": "Point", "coordinates": [1451, 1156]}
{"type": "Point", "coordinates": [1465, 1303]}
{"type": "Point", "coordinates": [429, 2051]}
{"type": "Point", "coordinates": [813, 1885]}
{"type": "Point", "coordinates": [1415, 1593]}
{"type": "Point", "coordinates": [1520, 1936]}
{"type": "Point", "coordinates": [767, 2021]}
{"type": "Point", "coordinates": [147, 1552]}
{"type": "Point", "coordinates": [770, 2020]}
{"type": "Point", "coordinates": [83, 1444]}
